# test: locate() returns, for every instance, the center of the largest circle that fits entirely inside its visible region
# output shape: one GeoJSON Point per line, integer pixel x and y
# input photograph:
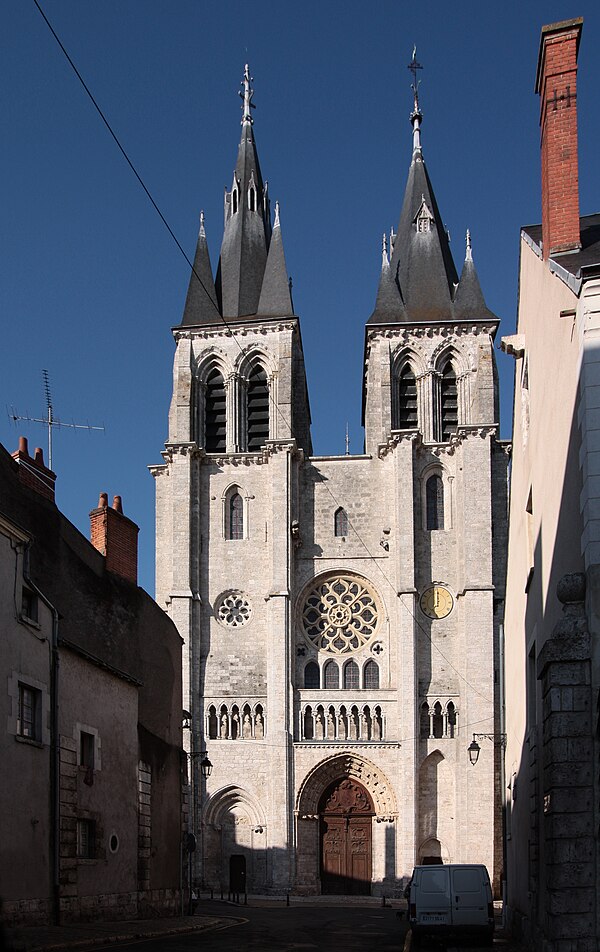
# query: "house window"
{"type": "Point", "coordinates": [86, 839]}
{"type": "Point", "coordinates": [449, 401]}
{"type": "Point", "coordinates": [29, 718]}
{"type": "Point", "coordinates": [331, 674]}
{"type": "Point", "coordinates": [311, 675]}
{"type": "Point", "coordinates": [215, 416]}
{"type": "Point", "coordinates": [371, 676]}
{"type": "Point", "coordinates": [404, 408]}
{"type": "Point", "coordinates": [340, 522]}
{"type": "Point", "coordinates": [258, 408]}
{"type": "Point", "coordinates": [434, 500]}
{"type": "Point", "coordinates": [87, 749]}
{"type": "Point", "coordinates": [351, 676]}
{"type": "Point", "coordinates": [29, 604]}
{"type": "Point", "coordinates": [236, 517]}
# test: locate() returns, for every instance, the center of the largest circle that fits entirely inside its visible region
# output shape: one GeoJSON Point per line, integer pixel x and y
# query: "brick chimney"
{"type": "Point", "coordinates": [115, 536]}
{"type": "Point", "coordinates": [32, 471]}
{"type": "Point", "coordinates": [556, 83]}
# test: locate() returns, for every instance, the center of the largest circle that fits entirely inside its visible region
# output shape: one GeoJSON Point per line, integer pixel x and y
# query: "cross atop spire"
{"type": "Point", "coordinates": [247, 96]}
{"type": "Point", "coordinates": [416, 115]}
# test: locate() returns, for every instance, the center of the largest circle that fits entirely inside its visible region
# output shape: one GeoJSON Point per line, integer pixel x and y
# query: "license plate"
{"type": "Point", "coordinates": [434, 917]}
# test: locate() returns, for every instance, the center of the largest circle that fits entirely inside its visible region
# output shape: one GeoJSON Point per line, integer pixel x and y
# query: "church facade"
{"type": "Point", "coordinates": [340, 614]}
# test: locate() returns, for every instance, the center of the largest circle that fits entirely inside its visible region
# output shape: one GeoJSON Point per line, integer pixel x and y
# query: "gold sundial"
{"type": "Point", "coordinates": [436, 602]}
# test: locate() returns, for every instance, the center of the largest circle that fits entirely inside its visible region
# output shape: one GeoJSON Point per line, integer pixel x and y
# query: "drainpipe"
{"type": "Point", "coordinates": [502, 768]}
{"type": "Point", "coordinates": [54, 744]}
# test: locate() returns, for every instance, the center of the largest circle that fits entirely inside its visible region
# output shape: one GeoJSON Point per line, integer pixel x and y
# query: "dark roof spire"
{"type": "Point", "coordinates": [420, 284]}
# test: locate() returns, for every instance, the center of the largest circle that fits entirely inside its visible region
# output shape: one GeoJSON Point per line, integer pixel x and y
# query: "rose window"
{"type": "Point", "coordinates": [340, 614]}
{"type": "Point", "coordinates": [233, 609]}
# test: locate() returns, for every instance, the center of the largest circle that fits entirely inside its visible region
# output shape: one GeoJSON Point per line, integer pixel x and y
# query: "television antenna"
{"type": "Point", "coordinates": [50, 420]}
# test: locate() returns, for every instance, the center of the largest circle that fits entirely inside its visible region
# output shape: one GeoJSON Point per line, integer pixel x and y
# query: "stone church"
{"type": "Point", "coordinates": [340, 614]}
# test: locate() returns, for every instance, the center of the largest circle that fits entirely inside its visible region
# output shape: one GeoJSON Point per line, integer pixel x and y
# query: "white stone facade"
{"type": "Point", "coordinates": [240, 605]}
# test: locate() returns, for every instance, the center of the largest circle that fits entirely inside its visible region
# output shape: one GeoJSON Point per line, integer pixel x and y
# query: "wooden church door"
{"type": "Point", "coordinates": [345, 825]}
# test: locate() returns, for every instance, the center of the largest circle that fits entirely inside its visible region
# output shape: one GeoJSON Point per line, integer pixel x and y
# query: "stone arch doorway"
{"type": "Point", "coordinates": [311, 803]}
{"type": "Point", "coordinates": [345, 821]}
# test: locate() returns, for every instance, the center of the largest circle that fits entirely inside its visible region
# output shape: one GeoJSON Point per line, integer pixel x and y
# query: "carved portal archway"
{"type": "Point", "coordinates": [345, 813]}
{"type": "Point", "coordinates": [353, 782]}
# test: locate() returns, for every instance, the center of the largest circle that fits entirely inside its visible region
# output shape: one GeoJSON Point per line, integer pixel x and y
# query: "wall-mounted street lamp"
{"type": "Point", "coordinates": [205, 765]}
{"type": "Point", "coordinates": [474, 749]}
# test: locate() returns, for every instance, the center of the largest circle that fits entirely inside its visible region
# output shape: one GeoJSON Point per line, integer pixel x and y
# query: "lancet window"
{"type": "Point", "coordinates": [404, 400]}
{"type": "Point", "coordinates": [236, 517]}
{"type": "Point", "coordinates": [448, 401]}
{"type": "Point", "coordinates": [331, 675]}
{"type": "Point", "coordinates": [351, 676]}
{"type": "Point", "coordinates": [312, 675]}
{"type": "Point", "coordinates": [371, 676]}
{"type": "Point", "coordinates": [215, 413]}
{"type": "Point", "coordinates": [257, 408]}
{"type": "Point", "coordinates": [434, 502]}
{"type": "Point", "coordinates": [340, 522]}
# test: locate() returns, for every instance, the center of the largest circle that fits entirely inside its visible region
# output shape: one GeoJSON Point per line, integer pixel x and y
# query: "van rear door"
{"type": "Point", "coordinates": [433, 897]}
{"type": "Point", "coordinates": [469, 896]}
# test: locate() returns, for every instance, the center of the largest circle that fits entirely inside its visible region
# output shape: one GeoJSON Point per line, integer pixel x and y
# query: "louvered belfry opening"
{"type": "Point", "coordinates": [258, 409]}
{"type": "Point", "coordinates": [449, 401]}
{"type": "Point", "coordinates": [215, 416]}
{"type": "Point", "coordinates": [405, 403]}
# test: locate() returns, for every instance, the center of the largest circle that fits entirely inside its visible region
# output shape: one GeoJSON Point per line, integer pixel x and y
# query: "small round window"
{"type": "Point", "coordinates": [233, 609]}
{"type": "Point", "coordinates": [113, 843]}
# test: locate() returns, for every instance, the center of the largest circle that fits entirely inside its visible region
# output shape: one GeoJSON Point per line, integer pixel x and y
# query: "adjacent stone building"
{"type": "Point", "coordinates": [340, 614]}
{"type": "Point", "coordinates": [90, 799]}
{"type": "Point", "coordinates": [552, 621]}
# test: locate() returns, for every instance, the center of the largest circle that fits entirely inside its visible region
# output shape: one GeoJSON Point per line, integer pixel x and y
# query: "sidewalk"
{"type": "Point", "coordinates": [85, 935]}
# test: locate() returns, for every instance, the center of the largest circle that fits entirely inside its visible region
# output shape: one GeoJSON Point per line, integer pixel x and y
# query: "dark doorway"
{"type": "Point", "coordinates": [345, 827]}
{"type": "Point", "coordinates": [237, 873]}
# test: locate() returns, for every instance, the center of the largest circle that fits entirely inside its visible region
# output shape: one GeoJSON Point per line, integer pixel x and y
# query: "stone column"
{"type": "Point", "coordinates": [567, 777]}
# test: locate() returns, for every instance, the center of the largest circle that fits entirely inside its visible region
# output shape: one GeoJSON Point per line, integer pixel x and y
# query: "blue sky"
{"type": "Point", "coordinates": [91, 280]}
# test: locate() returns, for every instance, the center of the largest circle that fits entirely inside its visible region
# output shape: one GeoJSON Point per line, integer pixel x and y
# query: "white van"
{"type": "Point", "coordinates": [452, 899]}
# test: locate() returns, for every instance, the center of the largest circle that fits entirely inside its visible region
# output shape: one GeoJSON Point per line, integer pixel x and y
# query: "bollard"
{"type": "Point", "coordinates": [245, 898]}
{"type": "Point", "coordinates": [212, 893]}
{"type": "Point", "coordinates": [287, 898]}
{"type": "Point", "coordinates": [221, 894]}
{"type": "Point", "coordinates": [383, 901]}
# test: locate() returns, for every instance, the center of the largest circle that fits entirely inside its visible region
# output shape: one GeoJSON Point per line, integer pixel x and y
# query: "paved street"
{"type": "Point", "coordinates": [271, 926]}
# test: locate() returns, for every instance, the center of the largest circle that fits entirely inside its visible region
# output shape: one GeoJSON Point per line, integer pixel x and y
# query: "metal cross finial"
{"type": "Point", "coordinates": [469, 252]}
{"type": "Point", "coordinates": [413, 67]}
{"type": "Point", "coordinates": [247, 96]}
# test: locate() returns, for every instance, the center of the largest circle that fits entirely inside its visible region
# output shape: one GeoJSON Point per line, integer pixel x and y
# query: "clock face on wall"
{"type": "Point", "coordinates": [436, 602]}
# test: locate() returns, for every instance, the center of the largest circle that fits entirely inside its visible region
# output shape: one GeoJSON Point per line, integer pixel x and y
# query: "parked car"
{"type": "Point", "coordinates": [450, 900]}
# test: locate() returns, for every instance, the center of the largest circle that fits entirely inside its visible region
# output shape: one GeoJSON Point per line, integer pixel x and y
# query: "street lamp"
{"type": "Point", "coordinates": [201, 758]}
{"type": "Point", "coordinates": [474, 749]}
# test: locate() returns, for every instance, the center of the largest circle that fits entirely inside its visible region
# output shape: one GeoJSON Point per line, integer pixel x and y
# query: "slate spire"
{"type": "Point", "coordinates": [469, 303]}
{"type": "Point", "coordinates": [275, 298]}
{"type": "Point", "coordinates": [422, 270]}
{"type": "Point", "coordinates": [201, 301]}
{"type": "Point", "coordinates": [247, 230]}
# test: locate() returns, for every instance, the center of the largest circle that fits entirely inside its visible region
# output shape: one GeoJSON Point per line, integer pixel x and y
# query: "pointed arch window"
{"type": "Point", "coordinates": [252, 198]}
{"type": "Point", "coordinates": [371, 676]}
{"type": "Point", "coordinates": [236, 517]}
{"type": "Point", "coordinates": [331, 674]}
{"type": "Point", "coordinates": [437, 721]}
{"type": "Point", "coordinates": [449, 401]}
{"type": "Point", "coordinates": [404, 406]}
{"type": "Point", "coordinates": [434, 501]}
{"type": "Point", "coordinates": [258, 408]}
{"type": "Point", "coordinates": [340, 522]}
{"type": "Point", "coordinates": [351, 676]}
{"type": "Point", "coordinates": [234, 200]}
{"type": "Point", "coordinates": [215, 413]}
{"type": "Point", "coordinates": [311, 675]}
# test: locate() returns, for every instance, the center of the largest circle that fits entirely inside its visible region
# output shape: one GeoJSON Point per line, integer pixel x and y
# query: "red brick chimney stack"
{"type": "Point", "coordinates": [556, 83]}
{"type": "Point", "coordinates": [115, 536]}
{"type": "Point", "coordinates": [33, 472]}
